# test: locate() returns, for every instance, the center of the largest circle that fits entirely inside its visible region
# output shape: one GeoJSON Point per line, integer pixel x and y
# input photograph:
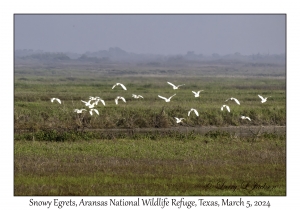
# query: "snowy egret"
{"type": "Point", "coordinates": [193, 110]}
{"type": "Point", "coordinates": [244, 117]}
{"type": "Point", "coordinates": [55, 99]}
{"type": "Point", "coordinates": [197, 94]}
{"type": "Point", "coordinates": [123, 86]}
{"type": "Point", "coordinates": [263, 100]}
{"type": "Point", "coordinates": [227, 107]}
{"type": "Point", "coordinates": [166, 99]}
{"type": "Point", "coordinates": [137, 96]}
{"type": "Point", "coordinates": [178, 120]}
{"type": "Point", "coordinates": [95, 110]}
{"type": "Point", "coordinates": [120, 97]}
{"type": "Point", "coordinates": [92, 105]}
{"type": "Point", "coordinates": [87, 103]}
{"type": "Point", "coordinates": [236, 101]}
{"type": "Point", "coordinates": [99, 99]}
{"type": "Point", "coordinates": [79, 110]}
{"type": "Point", "coordinates": [174, 86]}
{"type": "Point", "coordinates": [93, 98]}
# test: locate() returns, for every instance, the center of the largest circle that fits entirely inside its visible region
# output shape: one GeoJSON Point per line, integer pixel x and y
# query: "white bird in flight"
{"type": "Point", "coordinates": [244, 117]}
{"type": "Point", "coordinates": [87, 103]}
{"type": "Point", "coordinates": [99, 99]}
{"type": "Point", "coordinates": [166, 99]}
{"type": "Point", "coordinates": [94, 98]}
{"type": "Point", "coordinates": [227, 107]}
{"type": "Point", "coordinates": [92, 105]}
{"type": "Point", "coordinates": [197, 94]}
{"type": "Point", "coordinates": [79, 110]}
{"type": "Point", "coordinates": [263, 100]}
{"type": "Point", "coordinates": [55, 99]}
{"type": "Point", "coordinates": [137, 96]}
{"type": "Point", "coordinates": [194, 110]}
{"type": "Point", "coordinates": [236, 101]}
{"type": "Point", "coordinates": [95, 110]}
{"type": "Point", "coordinates": [174, 86]}
{"type": "Point", "coordinates": [120, 97]}
{"type": "Point", "coordinates": [123, 86]}
{"type": "Point", "coordinates": [178, 120]}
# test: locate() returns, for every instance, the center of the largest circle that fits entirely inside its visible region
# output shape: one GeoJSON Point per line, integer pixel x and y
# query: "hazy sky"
{"type": "Point", "coordinates": [158, 34]}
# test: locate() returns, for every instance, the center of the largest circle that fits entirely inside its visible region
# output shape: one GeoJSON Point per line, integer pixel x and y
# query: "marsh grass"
{"type": "Point", "coordinates": [56, 153]}
{"type": "Point", "coordinates": [195, 165]}
{"type": "Point", "coordinates": [33, 109]}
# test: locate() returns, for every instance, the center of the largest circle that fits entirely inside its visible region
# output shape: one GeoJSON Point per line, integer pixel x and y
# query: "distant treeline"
{"type": "Point", "coordinates": [118, 55]}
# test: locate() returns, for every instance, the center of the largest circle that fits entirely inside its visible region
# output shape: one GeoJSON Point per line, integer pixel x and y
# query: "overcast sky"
{"type": "Point", "coordinates": [156, 34]}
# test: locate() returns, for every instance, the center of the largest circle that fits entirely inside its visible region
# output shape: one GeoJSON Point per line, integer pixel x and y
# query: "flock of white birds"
{"type": "Point", "coordinates": [93, 101]}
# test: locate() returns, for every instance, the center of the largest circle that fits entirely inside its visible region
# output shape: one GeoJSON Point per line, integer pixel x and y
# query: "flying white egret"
{"type": "Point", "coordinates": [93, 98]}
{"type": "Point", "coordinates": [263, 100]}
{"type": "Point", "coordinates": [123, 86]}
{"type": "Point", "coordinates": [193, 110]}
{"type": "Point", "coordinates": [95, 110]}
{"type": "Point", "coordinates": [87, 103]}
{"type": "Point", "coordinates": [236, 101]}
{"type": "Point", "coordinates": [197, 94]}
{"type": "Point", "coordinates": [79, 110]}
{"type": "Point", "coordinates": [137, 96]}
{"type": "Point", "coordinates": [99, 99]}
{"type": "Point", "coordinates": [120, 97]}
{"type": "Point", "coordinates": [174, 86]}
{"type": "Point", "coordinates": [227, 107]}
{"type": "Point", "coordinates": [244, 117]}
{"type": "Point", "coordinates": [178, 120]}
{"type": "Point", "coordinates": [92, 105]}
{"type": "Point", "coordinates": [166, 99]}
{"type": "Point", "coordinates": [55, 99]}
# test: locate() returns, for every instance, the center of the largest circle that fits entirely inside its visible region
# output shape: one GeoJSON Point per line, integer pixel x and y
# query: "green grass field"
{"type": "Point", "coordinates": [167, 166]}
{"type": "Point", "coordinates": [57, 153]}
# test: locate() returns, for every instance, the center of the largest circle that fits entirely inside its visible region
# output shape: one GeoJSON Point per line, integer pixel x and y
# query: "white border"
{"type": "Point", "coordinates": [8, 8]}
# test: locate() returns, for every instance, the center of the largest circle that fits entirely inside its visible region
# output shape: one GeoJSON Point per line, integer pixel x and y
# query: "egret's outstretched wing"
{"type": "Point", "coordinates": [96, 111]}
{"type": "Point", "coordinates": [114, 86]}
{"type": "Point", "coordinates": [171, 84]}
{"type": "Point", "coordinates": [102, 101]}
{"type": "Point", "coordinates": [172, 96]}
{"type": "Point", "coordinates": [162, 97]}
{"type": "Point", "coordinates": [236, 101]}
{"type": "Point", "coordinates": [196, 112]}
{"type": "Point", "coordinates": [195, 92]}
{"type": "Point", "coordinates": [123, 86]}
{"type": "Point", "coordinates": [87, 103]}
{"type": "Point", "coordinates": [123, 99]}
{"type": "Point", "coordinates": [228, 109]}
{"type": "Point", "coordinates": [262, 98]}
